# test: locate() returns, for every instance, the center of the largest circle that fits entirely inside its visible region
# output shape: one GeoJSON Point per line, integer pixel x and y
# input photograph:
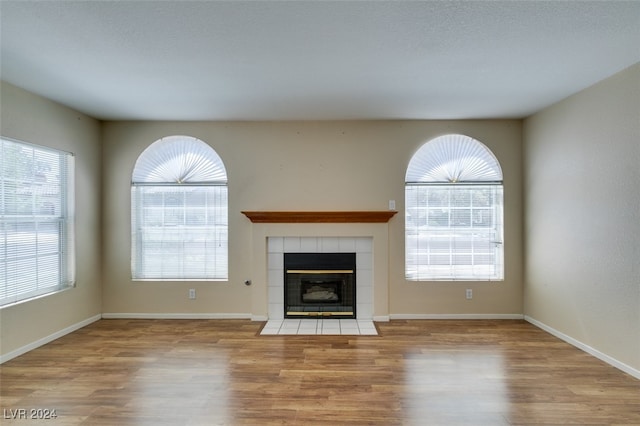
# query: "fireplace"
{"type": "Point", "coordinates": [320, 285]}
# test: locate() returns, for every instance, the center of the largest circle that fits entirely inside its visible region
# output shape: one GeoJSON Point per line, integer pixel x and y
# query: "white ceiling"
{"type": "Point", "coordinates": [314, 60]}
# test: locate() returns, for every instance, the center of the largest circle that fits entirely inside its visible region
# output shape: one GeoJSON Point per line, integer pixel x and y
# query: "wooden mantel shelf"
{"type": "Point", "coordinates": [382, 216]}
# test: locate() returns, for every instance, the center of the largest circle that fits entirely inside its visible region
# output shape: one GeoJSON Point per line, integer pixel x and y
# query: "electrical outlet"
{"type": "Point", "coordinates": [469, 293]}
{"type": "Point", "coordinates": [392, 204]}
{"type": "Point", "coordinates": [192, 293]}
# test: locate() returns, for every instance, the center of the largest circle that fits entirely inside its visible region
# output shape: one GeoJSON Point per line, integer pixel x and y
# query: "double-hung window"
{"type": "Point", "coordinates": [36, 221]}
{"type": "Point", "coordinates": [454, 212]}
{"type": "Point", "coordinates": [179, 225]}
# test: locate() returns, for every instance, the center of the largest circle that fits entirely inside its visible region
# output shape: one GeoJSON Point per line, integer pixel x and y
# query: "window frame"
{"type": "Point", "coordinates": [48, 265]}
{"type": "Point", "coordinates": [179, 250]}
{"type": "Point", "coordinates": [436, 248]}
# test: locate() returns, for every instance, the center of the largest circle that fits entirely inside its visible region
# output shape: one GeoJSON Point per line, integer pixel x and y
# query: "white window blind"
{"type": "Point", "coordinates": [36, 221]}
{"type": "Point", "coordinates": [179, 217]}
{"type": "Point", "coordinates": [454, 212]}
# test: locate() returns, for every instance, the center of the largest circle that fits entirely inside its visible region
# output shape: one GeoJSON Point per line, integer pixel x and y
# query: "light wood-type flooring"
{"type": "Point", "coordinates": [222, 372]}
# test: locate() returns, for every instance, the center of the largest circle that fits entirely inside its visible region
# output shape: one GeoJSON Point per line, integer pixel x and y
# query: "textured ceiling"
{"type": "Point", "coordinates": [314, 60]}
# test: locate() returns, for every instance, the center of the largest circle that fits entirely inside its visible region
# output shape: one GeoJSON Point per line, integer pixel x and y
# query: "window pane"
{"type": "Point", "coordinates": [438, 197]}
{"type": "Point", "coordinates": [482, 198]}
{"type": "Point", "coordinates": [186, 242]}
{"type": "Point", "coordinates": [482, 218]}
{"type": "Point", "coordinates": [457, 242]}
{"type": "Point", "coordinates": [438, 218]}
{"type": "Point", "coordinates": [461, 217]}
{"type": "Point", "coordinates": [460, 197]}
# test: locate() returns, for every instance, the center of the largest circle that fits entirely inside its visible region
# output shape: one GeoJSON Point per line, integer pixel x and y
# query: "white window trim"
{"type": "Point", "coordinates": [436, 249]}
{"type": "Point", "coordinates": [191, 244]}
{"type": "Point", "coordinates": [39, 275]}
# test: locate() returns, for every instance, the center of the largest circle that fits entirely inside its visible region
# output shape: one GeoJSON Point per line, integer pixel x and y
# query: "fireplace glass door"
{"type": "Point", "coordinates": [320, 285]}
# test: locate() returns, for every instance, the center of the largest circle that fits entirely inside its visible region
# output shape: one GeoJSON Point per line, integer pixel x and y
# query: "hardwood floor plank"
{"type": "Point", "coordinates": [222, 372]}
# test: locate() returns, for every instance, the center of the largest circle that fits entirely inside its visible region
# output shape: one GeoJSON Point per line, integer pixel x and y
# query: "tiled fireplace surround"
{"type": "Point", "coordinates": [362, 246]}
{"type": "Point", "coordinates": [368, 240]}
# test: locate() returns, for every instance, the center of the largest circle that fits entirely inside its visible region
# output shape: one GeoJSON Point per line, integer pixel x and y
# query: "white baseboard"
{"type": "Point", "coordinates": [117, 315]}
{"type": "Point", "coordinates": [588, 349]}
{"type": "Point", "coordinates": [40, 342]}
{"type": "Point", "coordinates": [456, 316]}
{"type": "Point", "coordinates": [381, 318]}
{"type": "Point", "coordinates": [259, 318]}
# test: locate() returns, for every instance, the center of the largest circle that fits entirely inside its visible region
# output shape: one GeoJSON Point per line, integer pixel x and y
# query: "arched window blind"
{"type": "Point", "coordinates": [179, 217]}
{"type": "Point", "coordinates": [454, 212]}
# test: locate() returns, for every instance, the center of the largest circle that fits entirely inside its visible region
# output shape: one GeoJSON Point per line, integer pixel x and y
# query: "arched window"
{"type": "Point", "coordinates": [454, 212]}
{"type": "Point", "coordinates": [179, 218]}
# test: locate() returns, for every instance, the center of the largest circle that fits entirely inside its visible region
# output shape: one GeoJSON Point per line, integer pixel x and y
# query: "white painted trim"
{"type": "Point", "coordinates": [50, 338]}
{"type": "Point", "coordinates": [381, 318]}
{"type": "Point", "coordinates": [457, 316]}
{"type": "Point", "coordinates": [116, 315]}
{"type": "Point", "coordinates": [259, 318]}
{"type": "Point", "coordinates": [588, 349]}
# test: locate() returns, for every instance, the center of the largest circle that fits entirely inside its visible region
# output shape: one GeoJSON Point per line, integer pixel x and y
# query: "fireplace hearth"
{"type": "Point", "coordinates": [320, 285]}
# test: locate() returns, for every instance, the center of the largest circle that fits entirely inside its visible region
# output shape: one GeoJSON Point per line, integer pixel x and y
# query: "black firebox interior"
{"type": "Point", "coordinates": [320, 285]}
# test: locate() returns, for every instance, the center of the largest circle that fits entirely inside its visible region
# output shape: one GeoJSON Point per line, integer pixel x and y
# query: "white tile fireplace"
{"type": "Point", "coordinates": [361, 246]}
{"type": "Point", "coordinates": [369, 240]}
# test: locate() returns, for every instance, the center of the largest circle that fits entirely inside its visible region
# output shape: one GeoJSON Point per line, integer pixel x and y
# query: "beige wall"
{"type": "Point", "coordinates": [33, 119]}
{"type": "Point", "coordinates": [305, 166]}
{"type": "Point", "coordinates": [582, 234]}
{"type": "Point", "coordinates": [581, 179]}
